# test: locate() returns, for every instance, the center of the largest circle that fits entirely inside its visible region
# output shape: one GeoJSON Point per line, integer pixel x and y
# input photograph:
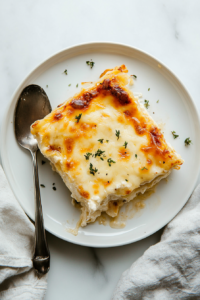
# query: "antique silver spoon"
{"type": "Point", "coordinates": [33, 104]}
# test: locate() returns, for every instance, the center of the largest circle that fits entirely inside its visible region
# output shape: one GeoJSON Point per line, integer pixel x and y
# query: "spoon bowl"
{"type": "Point", "coordinates": [33, 104]}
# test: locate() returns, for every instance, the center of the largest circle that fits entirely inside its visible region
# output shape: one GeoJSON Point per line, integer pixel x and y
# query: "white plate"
{"type": "Point", "coordinates": [175, 108]}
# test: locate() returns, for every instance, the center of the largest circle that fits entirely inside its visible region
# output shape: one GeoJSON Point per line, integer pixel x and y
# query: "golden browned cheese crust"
{"type": "Point", "coordinates": [126, 148]}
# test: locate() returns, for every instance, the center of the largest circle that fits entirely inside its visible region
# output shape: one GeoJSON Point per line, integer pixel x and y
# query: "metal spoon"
{"type": "Point", "coordinates": [33, 104]}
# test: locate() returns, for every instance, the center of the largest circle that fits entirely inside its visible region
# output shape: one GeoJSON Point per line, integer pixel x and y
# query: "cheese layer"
{"type": "Point", "coordinates": [104, 143]}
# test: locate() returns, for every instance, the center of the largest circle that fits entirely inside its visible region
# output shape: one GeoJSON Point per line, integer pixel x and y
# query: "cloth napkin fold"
{"type": "Point", "coordinates": [171, 268]}
{"type": "Point", "coordinates": [18, 279]}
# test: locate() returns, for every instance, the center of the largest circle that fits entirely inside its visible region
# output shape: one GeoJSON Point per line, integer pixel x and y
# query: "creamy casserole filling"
{"type": "Point", "coordinates": [105, 145]}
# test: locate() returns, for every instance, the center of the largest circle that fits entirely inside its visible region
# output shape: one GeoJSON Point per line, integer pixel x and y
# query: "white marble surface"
{"type": "Point", "coordinates": [30, 31]}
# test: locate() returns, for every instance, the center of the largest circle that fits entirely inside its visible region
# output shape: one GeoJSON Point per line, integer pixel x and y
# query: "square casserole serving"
{"type": "Point", "coordinates": [105, 145]}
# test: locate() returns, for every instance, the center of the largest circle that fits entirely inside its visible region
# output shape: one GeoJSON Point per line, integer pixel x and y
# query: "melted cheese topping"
{"type": "Point", "coordinates": [126, 148]}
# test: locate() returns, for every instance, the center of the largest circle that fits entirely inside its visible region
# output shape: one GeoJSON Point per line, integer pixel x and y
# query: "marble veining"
{"type": "Point", "coordinates": [31, 31]}
{"type": "Point", "coordinates": [98, 265]}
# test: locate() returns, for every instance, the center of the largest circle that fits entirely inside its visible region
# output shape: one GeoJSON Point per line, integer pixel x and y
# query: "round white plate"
{"type": "Point", "coordinates": [175, 110]}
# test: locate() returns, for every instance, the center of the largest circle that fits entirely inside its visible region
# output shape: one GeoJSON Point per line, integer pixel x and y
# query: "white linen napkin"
{"type": "Point", "coordinates": [18, 279]}
{"type": "Point", "coordinates": [171, 268]}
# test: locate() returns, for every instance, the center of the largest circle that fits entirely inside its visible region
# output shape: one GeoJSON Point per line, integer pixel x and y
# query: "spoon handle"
{"type": "Point", "coordinates": [41, 258]}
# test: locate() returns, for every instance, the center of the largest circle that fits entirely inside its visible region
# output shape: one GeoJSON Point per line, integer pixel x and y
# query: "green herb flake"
{"type": "Point", "coordinates": [47, 85]}
{"type": "Point", "coordinates": [101, 158]}
{"type": "Point", "coordinates": [163, 162]}
{"type": "Point", "coordinates": [187, 141]}
{"type": "Point", "coordinates": [117, 133]}
{"type": "Point", "coordinates": [87, 155]}
{"type": "Point", "coordinates": [134, 76]}
{"type": "Point", "coordinates": [146, 103]}
{"type": "Point", "coordinates": [99, 152]}
{"type": "Point", "coordinates": [69, 84]}
{"type": "Point", "coordinates": [107, 141]}
{"type": "Point", "coordinates": [93, 170]}
{"type": "Point", "coordinates": [77, 85]}
{"type": "Point", "coordinates": [65, 72]}
{"type": "Point", "coordinates": [90, 63]}
{"type": "Point", "coordinates": [101, 141]}
{"type": "Point", "coordinates": [42, 185]}
{"type": "Point", "coordinates": [136, 155]}
{"type": "Point", "coordinates": [144, 168]}
{"type": "Point", "coordinates": [157, 101]}
{"type": "Point", "coordinates": [126, 179]}
{"type": "Point", "coordinates": [109, 160]}
{"type": "Point", "coordinates": [78, 118]}
{"type": "Point", "coordinates": [174, 134]}
{"type": "Point", "coordinates": [148, 89]}
{"type": "Point", "coordinates": [54, 188]}
{"type": "Point", "coordinates": [125, 145]}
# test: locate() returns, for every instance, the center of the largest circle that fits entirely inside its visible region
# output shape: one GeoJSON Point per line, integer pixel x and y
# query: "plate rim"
{"type": "Point", "coordinates": [12, 102]}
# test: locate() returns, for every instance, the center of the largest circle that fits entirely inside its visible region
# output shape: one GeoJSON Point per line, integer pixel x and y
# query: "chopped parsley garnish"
{"type": "Point", "coordinates": [99, 152]}
{"type": "Point", "coordinates": [92, 170]}
{"type": "Point", "coordinates": [174, 134]}
{"type": "Point", "coordinates": [134, 76]}
{"type": "Point", "coordinates": [47, 85]}
{"type": "Point", "coordinates": [54, 188]}
{"type": "Point", "coordinates": [107, 141]}
{"type": "Point", "coordinates": [136, 155]}
{"type": "Point", "coordinates": [101, 141]}
{"type": "Point", "coordinates": [117, 133]}
{"type": "Point", "coordinates": [146, 103]}
{"type": "Point", "coordinates": [77, 85]}
{"type": "Point", "coordinates": [87, 155]}
{"type": "Point", "coordinates": [125, 144]}
{"type": "Point", "coordinates": [78, 118]}
{"type": "Point", "coordinates": [69, 84]}
{"type": "Point", "coordinates": [144, 168]}
{"type": "Point", "coordinates": [188, 141]}
{"type": "Point", "coordinates": [42, 185]}
{"type": "Point", "coordinates": [126, 179]}
{"type": "Point", "coordinates": [65, 72]}
{"type": "Point", "coordinates": [157, 101]}
{"type": "Point", "coordinates": [43, 162]}
{"type": "Point", "coordinates": [148, 89]}
{"type": "Point", "coordinates": [110, 161]}
{"type": "Point", "coordinates": [90, 63]}
{"type": "Point", "coordinates": [101, 158]}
